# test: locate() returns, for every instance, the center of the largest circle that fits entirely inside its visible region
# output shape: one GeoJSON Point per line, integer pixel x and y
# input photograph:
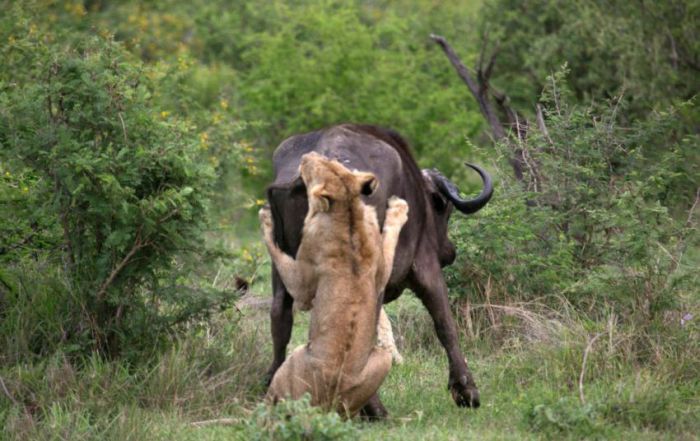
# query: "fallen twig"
{"type": "Point", "coordinates": [216, 421]}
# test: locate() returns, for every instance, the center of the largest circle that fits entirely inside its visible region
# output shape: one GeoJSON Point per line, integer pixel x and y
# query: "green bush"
{"type": "Point", "coordinates": [119, 186]}
{"type": "Point", "coordinates": [585, 222]}
{"type": "Point", "coordinates": [297, 421]}
{"type": "Point", "coordinates": [312, 64]}
{"type": "Point", "coordinates": [567, 416]}
{"type": "Point", "coordinates": [600, 41]}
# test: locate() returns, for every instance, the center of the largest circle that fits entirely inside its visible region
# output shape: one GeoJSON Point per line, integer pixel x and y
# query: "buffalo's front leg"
{"type": "Point", "coordinates": [428, 283]}
{"type": "Point", "coordinates": [281, 321]}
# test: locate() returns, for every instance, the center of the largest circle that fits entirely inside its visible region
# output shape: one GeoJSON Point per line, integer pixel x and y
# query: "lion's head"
{"type": "Point", "coordinates": [329, 183]}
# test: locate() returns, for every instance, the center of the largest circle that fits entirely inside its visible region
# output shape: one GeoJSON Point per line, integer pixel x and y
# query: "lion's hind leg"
{"type": "Point", "coordinates": [367, 382]}
{"type": "Point", "coordinates": [290, 380]}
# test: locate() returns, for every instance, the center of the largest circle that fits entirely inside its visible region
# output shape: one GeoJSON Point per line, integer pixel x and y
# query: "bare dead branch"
{"type": "Point", "coordinates": [541, 125]}
{"type": "Point", "coordinates": [217, 421]}
{"type": "Point", "coordinates": [123, 127]}
{"type": "Point", "coordinates": [478, 91]}
{"type": "Point", "coordinates": [489, 66]}
{"type": "Point", "coordinates": [689, 220]}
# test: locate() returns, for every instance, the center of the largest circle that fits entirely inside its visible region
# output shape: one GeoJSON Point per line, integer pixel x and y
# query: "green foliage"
{"type": "Point", "coordinates": [585, 222]}
{"type": "Point", "coordinates": [302, 66]}
{"type": "Point", "coordinates": [129, 181]}
{"type": "Point", "coordinates": [297, 421]}
{"type": "Point", "coordinates": [646, 51]}
{"type": "Point", "coordinates": [565, 416]}
{"type": "Point", "coordinates": [321, 64]}
{"type": "Point", "coordinates": [642, 405]}
{"type": "Point", "coordinates": [212, 371]}
{"type": "Point", "coordinates": [118, 186]}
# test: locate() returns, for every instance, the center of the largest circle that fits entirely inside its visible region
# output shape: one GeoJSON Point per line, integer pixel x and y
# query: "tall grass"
{"type": "Point", "coordinates": [546, 370]}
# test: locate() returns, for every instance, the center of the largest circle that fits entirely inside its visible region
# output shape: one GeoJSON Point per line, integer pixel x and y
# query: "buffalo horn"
{"type": "Point", "coordinates": [451, 192]}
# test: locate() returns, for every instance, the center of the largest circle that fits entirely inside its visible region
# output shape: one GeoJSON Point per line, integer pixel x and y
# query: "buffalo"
{"type": "Point", "coordinates": [424, 247]}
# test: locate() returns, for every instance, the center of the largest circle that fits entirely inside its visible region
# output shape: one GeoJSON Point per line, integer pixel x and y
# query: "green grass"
{"type": "Point", "coordinates": [527, 368]}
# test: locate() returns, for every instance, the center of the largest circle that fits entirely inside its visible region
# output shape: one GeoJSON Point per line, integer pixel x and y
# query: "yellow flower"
{"type": "Point", "coordinates": [25, 189]}
{"type": "Point", "coordinates": [7, 173]}
{"type": "Point", "coordinates": [164, 114]}
{"type": "Point", "coordinates": [182, 63]}
{"type": "Point", "coordinates": [76, 9]}
{"type": "Point", "coordinates": [260, 202]}
{"type": "Point", "coordinates": [223, 103]}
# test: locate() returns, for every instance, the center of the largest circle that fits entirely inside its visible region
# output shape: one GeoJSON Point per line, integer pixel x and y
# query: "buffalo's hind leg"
{"type": "Point", "coordinates": [429, 284]}
{"type": "Point", "coordinates": [281, 321]}
{"type": "Point", "coordinates": [374, 410]}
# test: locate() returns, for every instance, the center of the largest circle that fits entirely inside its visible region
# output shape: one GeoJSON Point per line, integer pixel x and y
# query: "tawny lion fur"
{"type": "Point", "coordinates": [341, 268]}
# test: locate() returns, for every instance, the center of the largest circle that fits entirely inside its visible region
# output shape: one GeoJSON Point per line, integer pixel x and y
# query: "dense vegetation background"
{"type": "Point", "coordinates": [135, 140]}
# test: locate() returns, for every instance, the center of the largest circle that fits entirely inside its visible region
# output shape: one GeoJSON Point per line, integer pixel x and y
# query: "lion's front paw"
{"type": "Point", "coordinates": [265, 216]}
{"type": "Point", "coordinates": [397, 214]}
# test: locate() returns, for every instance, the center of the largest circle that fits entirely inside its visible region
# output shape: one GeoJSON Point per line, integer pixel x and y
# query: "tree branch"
{"type": "Point", "coordinates": [541, 125]}
{"type": "Point", "coordinates": [479, 91]}
{"type": "Point", "coordinates": [138, 244]}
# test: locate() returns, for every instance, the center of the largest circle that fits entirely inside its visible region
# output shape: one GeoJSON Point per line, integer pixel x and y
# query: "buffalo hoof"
{"type": "Point", "coordinates": [374, 410]}
{"type": "Point", "coordinates": [464, 392]}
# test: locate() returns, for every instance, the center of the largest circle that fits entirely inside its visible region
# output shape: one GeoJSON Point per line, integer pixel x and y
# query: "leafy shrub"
{"type": "Point", "coordinates": [297, 420]}
{"type": "Point", "coordinates": [567, 416]}
{"type": "Point", "coordinates": [600, 42]}
{"type": "Point", "coordinates": [649, 403]}
{"type": "Point", "coordinates": [314, 64]}
{"type": "Point", "coordinates": [119, 185]}
{"type": "Point", "coordinates": [585, 222]}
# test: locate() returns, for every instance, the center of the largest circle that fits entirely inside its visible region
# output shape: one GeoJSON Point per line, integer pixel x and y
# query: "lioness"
{"type": "Point", "coordinates": [342, 266]}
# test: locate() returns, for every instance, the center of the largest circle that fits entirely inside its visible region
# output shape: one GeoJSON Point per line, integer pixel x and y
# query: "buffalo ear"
{"type": "Point", "coordinates": [367, 181]}
{"type": "Point", "coordinates": [320, 198]}
{"type": "Point", "coordinates": [439, 202]}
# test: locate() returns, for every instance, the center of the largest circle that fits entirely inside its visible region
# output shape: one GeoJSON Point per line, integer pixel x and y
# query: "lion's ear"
{"type": "Point", "coordinates": [368, 183]}
{"type": "Point", "coordinates": [320, 198]}
{"type": "Point", "coordinates": [308, 164]}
